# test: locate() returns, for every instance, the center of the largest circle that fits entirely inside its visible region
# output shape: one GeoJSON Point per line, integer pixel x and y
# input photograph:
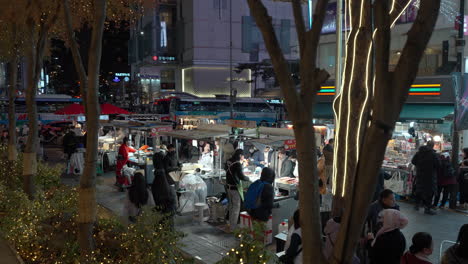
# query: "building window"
{"type": "Point", "coordinates": [252, 37]}
{"type": "Point", "coordinates": [167, 79]}
{"type": "Point", "coordinates": [220, 4]}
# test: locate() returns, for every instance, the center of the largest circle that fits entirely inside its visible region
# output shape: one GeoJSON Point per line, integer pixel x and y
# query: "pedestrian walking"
{"type": "Point", "coordinates": [386, 201]}
{"type": "Point", "coordinates": [260, 196]}
{"type": "Point", "coordinates": [69, 143]}
{"type": "Point", "coordinates": [458, 253]}
{"type": "Point", "coordinates": [138, 196]}
{"type": "Point", "coordinates": [463, 181]}
{"type": "Point", "coordinates": [122, 159]}
{"type": "Point", "coordinates": [427, 166]}
{"type": "Point", "coordinates": [328, 153]}
{"type": "Point", "coordinates": [234, 176]}
{"type": "Point", "coordinates": [447, 183]}
{"type": "Point", "coordinates": [420, 250]}
{"type": "Point", "coordinates": [389, 243]}
{"type": "Point", "coordinates": [163, 194]}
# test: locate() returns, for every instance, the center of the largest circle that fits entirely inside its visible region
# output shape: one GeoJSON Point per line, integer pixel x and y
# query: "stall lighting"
{"type": "Point", "coordinates": [426, 85]}
{"type": "Point", "coordinates": [425, 90]}
{"type": "Point", "coordinates": [424, 93]}
{"type": "Point", "coordinates": [437, 138]}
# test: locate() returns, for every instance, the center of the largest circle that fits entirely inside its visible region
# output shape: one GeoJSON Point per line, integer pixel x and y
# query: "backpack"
{"type": "Point", "coordinates": [447, 169]}
{"type": "Point", "coordinates": [252, 198]}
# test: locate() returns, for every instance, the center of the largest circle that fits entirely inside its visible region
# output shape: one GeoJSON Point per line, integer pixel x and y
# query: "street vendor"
{"type": "Point", "coordinates": [122, 159]}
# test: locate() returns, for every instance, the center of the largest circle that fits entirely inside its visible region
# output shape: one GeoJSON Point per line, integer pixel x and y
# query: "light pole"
{"type": "Point", "coordinates": [231, 91]}
{"type": "Point", "coordinates": [460, 44]}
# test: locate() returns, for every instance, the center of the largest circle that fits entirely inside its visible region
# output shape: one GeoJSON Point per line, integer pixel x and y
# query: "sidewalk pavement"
{"type": "Point", "coordinates": [208, 244]}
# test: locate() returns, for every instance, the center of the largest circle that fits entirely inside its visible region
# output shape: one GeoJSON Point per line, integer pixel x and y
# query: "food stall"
{"type": "Point", "coordinates": [145, 138]}
{"type": "Point", "coordinates": [210, 161]}
{"type": "Point", "coordinates": [285, 188]}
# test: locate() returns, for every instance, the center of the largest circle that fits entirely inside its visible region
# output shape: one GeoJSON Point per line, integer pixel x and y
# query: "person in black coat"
{"type": "Point", "coordinates": [389, 244]}
{"type": "Point", "coordinates": [171, 163]}
{"type": "Point", "coordinates": [263, 211]}
{"type": "Point", "coordinates": [427, 166]}
{"type": "Point", "coordinates": [234, 176]}
{"type": "Point", "coordinates": [163, 194]}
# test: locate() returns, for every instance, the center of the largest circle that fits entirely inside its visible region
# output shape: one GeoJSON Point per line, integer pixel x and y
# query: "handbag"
{"type": "Point", "coordinates": [396, 183]}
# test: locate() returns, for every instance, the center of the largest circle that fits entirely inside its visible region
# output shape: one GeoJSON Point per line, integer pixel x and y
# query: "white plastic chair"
{"type": "Point", "coordinates": [442, 247]}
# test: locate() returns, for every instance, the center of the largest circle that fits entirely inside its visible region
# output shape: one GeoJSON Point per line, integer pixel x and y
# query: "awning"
{"type": "Point", "coordinates": [425, 112]}
{"type": "Point", "coordinates": [323, 111]}
{"type": "Point", "coordinates": [195, 134]}
{"type": "Point", "coordinates": [411, 112]}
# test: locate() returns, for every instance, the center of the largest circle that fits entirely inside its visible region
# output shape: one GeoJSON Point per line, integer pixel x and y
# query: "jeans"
{"type": "Point", "coordinates": [447, 191]}
{"type": "Point", "coordinates": [234, 207]}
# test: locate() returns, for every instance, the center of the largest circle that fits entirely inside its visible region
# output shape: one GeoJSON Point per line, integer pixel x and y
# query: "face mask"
{"type": "Point", "coordinates": [252, 151]}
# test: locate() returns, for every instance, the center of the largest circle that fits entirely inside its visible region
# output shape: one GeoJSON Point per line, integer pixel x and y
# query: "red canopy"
{"type": "Point", "coordinates": [108, 109]}
{"type": "Point", "coordinates": [72, 109]}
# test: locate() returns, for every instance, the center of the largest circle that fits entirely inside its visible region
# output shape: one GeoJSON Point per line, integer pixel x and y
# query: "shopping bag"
{"type": "Point", "coordinates": [396, 183]}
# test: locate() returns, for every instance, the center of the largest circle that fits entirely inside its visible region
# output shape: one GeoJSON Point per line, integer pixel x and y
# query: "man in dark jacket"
{"type": "Point", "coordinates": [287, 169]}
{"type": "Point", "coordinates": [427, 165]}
{"type": "Point", "coordinates": [263, 211]}
{"type": "Point", "coordinates": [171, 163]}
{"type": "Point", "coordinates": [262, 159]}
{"type": "Point", "coordinates": [386, 201]}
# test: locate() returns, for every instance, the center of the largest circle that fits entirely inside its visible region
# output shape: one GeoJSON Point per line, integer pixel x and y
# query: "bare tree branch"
{"type": "Point", "coordinates": [382, 45]}
{"type": "Point", "coordinates": [77, 60]}
{"type": "Point", "coordinates": [299, 21]}
{"type": "Point", "coordinates": [313, 35]}
{"type": "Point", "coordinates": [418, 37]}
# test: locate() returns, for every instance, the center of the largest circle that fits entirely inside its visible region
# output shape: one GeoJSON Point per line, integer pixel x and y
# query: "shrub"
{"type": "Point", "coordinates": [251, 248]}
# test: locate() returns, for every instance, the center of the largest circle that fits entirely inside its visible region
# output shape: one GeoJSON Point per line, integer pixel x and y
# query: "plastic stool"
{"type": "Point", "coordinates": [200, 207]}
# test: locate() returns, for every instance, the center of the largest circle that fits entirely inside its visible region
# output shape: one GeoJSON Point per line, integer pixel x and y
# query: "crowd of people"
{"type": "Point", "coordinates": [435, 175]}
{"type": "Point", "coordinates": [382, 239]}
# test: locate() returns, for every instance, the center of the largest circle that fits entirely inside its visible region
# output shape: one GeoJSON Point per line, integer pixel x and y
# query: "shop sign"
{"type": "Point", "coordinates": [290, 144]}
{"type": "Point", "coordinates": [241, 123]}
{"type": "Point", "coordinates": [122, 74]}
{"type": "Point", "coordinates": [424, 121]}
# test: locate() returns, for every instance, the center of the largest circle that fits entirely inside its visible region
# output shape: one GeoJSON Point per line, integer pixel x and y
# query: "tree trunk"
{"type": "Point", "coordinates": [34, 64]}
{"type": "Point", "coordinates": [87, 191]}
{"type": "Point", "coordinates": [12, 146]}
{"type": "Point", "coordinates": [308, 196]}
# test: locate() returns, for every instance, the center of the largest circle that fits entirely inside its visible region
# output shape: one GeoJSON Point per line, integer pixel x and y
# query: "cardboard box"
{"type": "Point", "coordinates": [246, 222]}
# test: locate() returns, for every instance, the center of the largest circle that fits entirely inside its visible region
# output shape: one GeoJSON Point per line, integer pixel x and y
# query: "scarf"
{"type": "Point", "coordinates": [392, 219]}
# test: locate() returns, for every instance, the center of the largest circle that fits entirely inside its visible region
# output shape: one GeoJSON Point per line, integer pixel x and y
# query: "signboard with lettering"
{"type": "Point", "coordinates": [241, 123]}
{"type": "Point", "coordinates": [290, 144]}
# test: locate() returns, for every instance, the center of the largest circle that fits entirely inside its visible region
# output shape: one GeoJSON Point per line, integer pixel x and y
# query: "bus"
{"type": "Point", "coordinates": [47, 104]}
{"type": "Point", "coordinates": [214, 110]}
